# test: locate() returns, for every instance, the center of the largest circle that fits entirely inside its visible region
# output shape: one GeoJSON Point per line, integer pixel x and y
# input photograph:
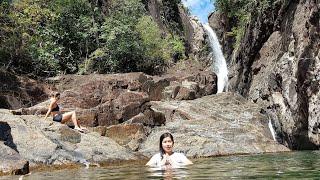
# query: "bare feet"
{"type": "Point", "coordinates": [78, 129]}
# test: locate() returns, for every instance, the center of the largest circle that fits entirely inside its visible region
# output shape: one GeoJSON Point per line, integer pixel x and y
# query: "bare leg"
{"type": "Point", "coordinates": [70, 116]}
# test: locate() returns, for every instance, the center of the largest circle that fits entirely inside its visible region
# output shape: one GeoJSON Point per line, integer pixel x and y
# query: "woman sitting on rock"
{"type": "Point", "coordinates": [167, 158]}
{"type": "Point", "coordinates": [58, 116]}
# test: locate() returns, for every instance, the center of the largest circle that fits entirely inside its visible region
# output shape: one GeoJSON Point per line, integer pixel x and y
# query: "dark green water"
{"type": "Point", "coordinates": [293, 165]}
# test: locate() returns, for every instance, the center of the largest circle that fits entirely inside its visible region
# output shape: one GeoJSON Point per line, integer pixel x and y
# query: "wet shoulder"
{"type": "Point", "coordinates": [157, 156]}
{"type": "Point", "coordinates": [178, 155]}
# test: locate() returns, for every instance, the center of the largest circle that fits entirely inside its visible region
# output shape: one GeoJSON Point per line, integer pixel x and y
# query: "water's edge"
{"type": "Point", "coordinates": [115, 163]}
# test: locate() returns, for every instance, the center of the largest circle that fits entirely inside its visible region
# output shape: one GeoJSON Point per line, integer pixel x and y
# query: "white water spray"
{"type": "Point", "coordinates": [273, 133]}
{"type": "Point", "coordinates": [219, 62]}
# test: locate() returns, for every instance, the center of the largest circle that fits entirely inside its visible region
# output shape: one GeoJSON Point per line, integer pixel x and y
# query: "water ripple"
{"type": "Point", "coordinates": [303, 164]}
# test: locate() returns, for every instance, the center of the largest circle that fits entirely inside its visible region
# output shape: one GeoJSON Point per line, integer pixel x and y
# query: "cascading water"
{"type": "Point", "coordinates": [219, 62]}
{"type": "Point", "coordinates": [273, 133]}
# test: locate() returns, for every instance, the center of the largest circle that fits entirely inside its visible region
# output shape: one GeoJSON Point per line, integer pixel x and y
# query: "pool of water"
{"type": "Point", "coordinates": [302, 164]}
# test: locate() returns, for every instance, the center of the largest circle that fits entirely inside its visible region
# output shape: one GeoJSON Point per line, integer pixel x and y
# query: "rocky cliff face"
{"type": "Point", "coordinates": [221, 24]}
{"type": "Point", "coordinates": [196, 46]}
{"type": "Point", "coordinates": [172, 17]}
{"type": "Point", "coordinates": [277, 65]}
{"type": "Point", "coordinates": [166, 14]}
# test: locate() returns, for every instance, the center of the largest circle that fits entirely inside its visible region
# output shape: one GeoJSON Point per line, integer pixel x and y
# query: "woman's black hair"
{"type": "Point", "coordinates": [164, 135]}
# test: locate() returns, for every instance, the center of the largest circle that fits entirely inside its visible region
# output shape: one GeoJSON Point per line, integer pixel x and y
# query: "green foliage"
{"type": "Point", "coordinates": [75, 32]}
{"type": "Point", "coordinates": [132, 41]}
{"type": "Point", "coordinates": [21, 24]}
{"type": "Point", "coordinates": [154, 46]}
{"type": "Point", "coordinates": [158, 48]}
{"type": "Point", "coordinates": [170, 16]}
{"type": "Point", "coordinates": [178, 47]}
{"type": "Point", "coordinates": [239, 13]}
{"type": "Point", "coordinates": [44, 37]}
{"type": "Point", "coordinates": [5, 31]}
{"type": "Point", "coordinates": [120, 49]}
{"type": "Point", "coordinates": [49, 36]}
{"type": "Point", "coordinates": [40, 44]}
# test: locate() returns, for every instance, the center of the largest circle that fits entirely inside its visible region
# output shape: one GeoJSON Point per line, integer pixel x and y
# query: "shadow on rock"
{"type": "Point", "coordinates": [5, 135]}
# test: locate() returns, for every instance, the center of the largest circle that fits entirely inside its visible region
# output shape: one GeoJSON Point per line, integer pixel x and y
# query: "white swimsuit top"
{"type": "Point", "coordinates": [179, 159]}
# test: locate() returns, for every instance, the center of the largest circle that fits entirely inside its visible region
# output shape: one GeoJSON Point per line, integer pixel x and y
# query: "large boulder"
{"type": "Point", "coordinates": [105, 100]}
{"type": "Point", "coordinates": [11, 162]}
{"type": "Point", "coordinates": [190, 84]}
{"type": "Point", "coordinates": [41, 141]}
{"type": "Point", "coordinates": [17, 91]}
{"type": "Point", "coordinates": [214, 125]}
{"type": "Point", "coordinates": [99, 99]}
{"type": "Point", "coordinates": [129, 135]}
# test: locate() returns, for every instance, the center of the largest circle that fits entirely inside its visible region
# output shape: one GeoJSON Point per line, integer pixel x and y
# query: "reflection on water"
{"type": "Point", "coordinates": [303, 164]}
{"type": "Point", "coordinates": [179, 173]}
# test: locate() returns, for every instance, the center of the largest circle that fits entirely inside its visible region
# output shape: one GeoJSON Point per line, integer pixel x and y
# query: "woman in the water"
{"type": "Point", "coordinates": [166, 157]}
{"type": "Point", "coordinates": [58, 116]}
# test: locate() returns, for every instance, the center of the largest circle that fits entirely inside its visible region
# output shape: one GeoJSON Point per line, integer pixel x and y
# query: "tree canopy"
{"type": "Point", "coordinates": [45, 38]}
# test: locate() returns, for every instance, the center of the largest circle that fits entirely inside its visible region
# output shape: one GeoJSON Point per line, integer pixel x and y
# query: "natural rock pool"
{"type": "Point", "coordinates": [302, 164]}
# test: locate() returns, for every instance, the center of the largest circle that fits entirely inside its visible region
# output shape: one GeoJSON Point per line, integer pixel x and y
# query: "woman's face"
{"type": "Point", "coordinates": [57, 98]}
{"type": "Point", "coordinates": [167, 145]}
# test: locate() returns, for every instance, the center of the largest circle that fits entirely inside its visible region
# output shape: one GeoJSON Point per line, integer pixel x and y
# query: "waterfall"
{"type": "Point", "coordinates": [273, 133]}
{"type": "Point", "coordinates": [219, 62]}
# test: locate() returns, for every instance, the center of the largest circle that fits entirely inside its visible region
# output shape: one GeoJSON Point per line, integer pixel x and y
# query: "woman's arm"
{"type": "Point", "coordinates": [49, 110]}
{"type": "Point", "coordinates": [150, 163]}
{"type": "Point", "coordinates": [153, 161]}
{"type": "Point", "coordinates": [185, 160]}
{"type": "Point", "coordinates": [179, 159]}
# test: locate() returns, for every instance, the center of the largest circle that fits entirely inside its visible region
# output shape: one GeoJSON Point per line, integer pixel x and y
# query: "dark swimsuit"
{"type": "Point", "coordinates": [57, 117]}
